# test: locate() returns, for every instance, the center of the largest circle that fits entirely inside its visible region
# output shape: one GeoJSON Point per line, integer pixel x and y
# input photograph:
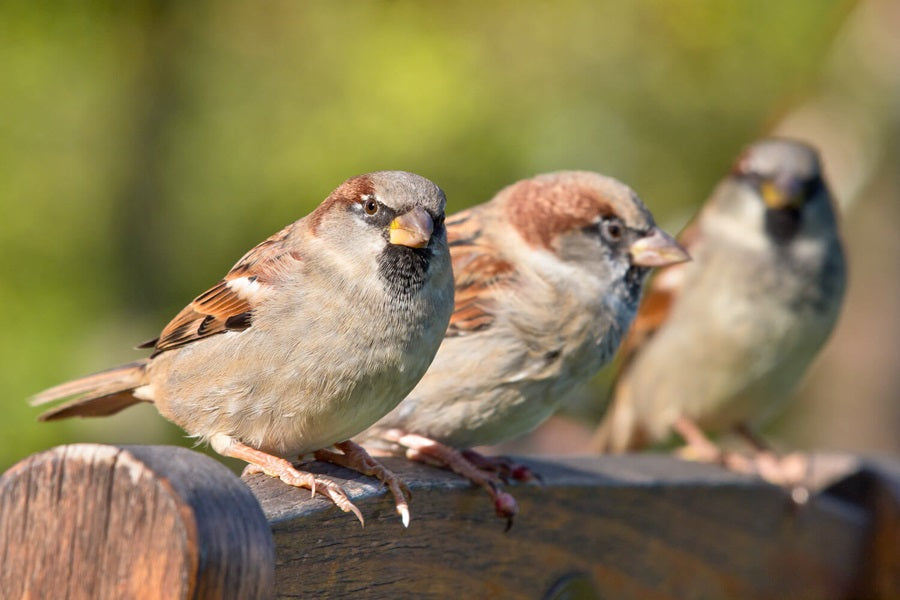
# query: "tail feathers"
{"type": "Point", "coordinates": [614, 437]}
{"type": "Point", "coordinates": [620, 430]}
{"type": "Point", "coordinates": [100, 394]}
{"type": "Point", "coordinates": [602, 440]}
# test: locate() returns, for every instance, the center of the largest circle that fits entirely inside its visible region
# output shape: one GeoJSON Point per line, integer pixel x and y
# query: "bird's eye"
{"type": "Point", "coordinates": [370, 205]}
{"type": "Point", "coordinates": [813, 186]}
{"type": "Point", "coordinates": [612, 230]}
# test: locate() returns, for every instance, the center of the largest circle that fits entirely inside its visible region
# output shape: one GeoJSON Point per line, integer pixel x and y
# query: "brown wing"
{"type": "Point", "coordinates": [478, 271]}
{"type": "Point", "coordinates": [228, 305]}
{"type": "Point", "coordinates": [659, 297]}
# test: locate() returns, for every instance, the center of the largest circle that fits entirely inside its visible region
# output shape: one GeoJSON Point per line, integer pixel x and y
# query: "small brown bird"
{"type": "Point", "coordinates": [548, 276]}
{"type": "Point", "coordinates": [720, 342]}
{"type": "Point", "coordinates": [312, 336]}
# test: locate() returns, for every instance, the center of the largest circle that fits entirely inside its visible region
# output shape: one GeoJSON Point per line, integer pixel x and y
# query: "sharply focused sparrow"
{"type": "Point", "coordinates": [312, 336]}
{"type": "Point", "coordinates": [719, 342]}
{"type": "Point", "coordinates": [548, 277]}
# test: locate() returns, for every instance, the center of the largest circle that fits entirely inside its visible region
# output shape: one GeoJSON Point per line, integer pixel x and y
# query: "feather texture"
{"type": "Point", "coordinates": [480, 273]}
{"type": "Point", "coordinates": [228, 305]}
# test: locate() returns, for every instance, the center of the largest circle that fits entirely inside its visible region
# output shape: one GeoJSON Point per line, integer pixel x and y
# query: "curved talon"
{"type": "Point", "coordinates": [282, 469]}
{"type": "Point", "coordinates": [478, 469]}
{"type": "Point", "coordinates": [339, 497]}
{"type": "Point", "coordinates": [402, 496]}
{"type": "Point", "coordinates": [403, 511]}
{"type": "Point", "coordinates": [251, 469]}
{"type": "Point", "coordinates": [506, 507]}
{"type": "Point", "coordinates": [502, 466]}
{"type": "Point", "coordinates": [355, 457]}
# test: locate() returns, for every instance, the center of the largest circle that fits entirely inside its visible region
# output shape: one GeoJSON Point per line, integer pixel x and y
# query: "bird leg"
{"type": "Point", "coordinates": [503, 466]}
{"type": "Point", "coordinates": [700, 448]}
{"type": "Point", "coordinates": [423, 449]}
{"type": "Point", "coordinates": [355, 457]}
{"type": "Point", "coordinates": [752, 438]}
{"type": "Point", "coordinates": [273, 466]}
{"type": "Point", "coordinates": [790, 471]}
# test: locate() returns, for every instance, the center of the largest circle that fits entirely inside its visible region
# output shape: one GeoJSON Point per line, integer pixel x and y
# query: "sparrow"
{"type": "Point", "coordinates": [719, 343]}
{"type": "Point", "coordinates": [548, 276]}
{"type": "Point", "coordinates": [311, 337]}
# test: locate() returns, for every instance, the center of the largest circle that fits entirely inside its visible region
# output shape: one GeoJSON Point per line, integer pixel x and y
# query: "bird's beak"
{"type": "Point", "coordinates": [778, 195]}
{"type": "Point", "coordinates": [412, 229]}
{"type": "Point", "coordinates": [657, 249]}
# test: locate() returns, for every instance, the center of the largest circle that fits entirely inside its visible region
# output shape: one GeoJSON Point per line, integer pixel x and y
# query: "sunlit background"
{"type": "Point", "coordinates": [144, 147]}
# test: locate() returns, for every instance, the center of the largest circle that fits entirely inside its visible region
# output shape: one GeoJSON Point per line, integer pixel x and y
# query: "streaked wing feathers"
{"type": "Point", "coordinates": [228, 305]}
{"type": "Point", "coordinates": [478, 271]}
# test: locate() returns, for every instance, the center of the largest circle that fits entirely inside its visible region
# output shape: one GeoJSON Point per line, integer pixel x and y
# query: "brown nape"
{"type": "Point", "coordinates": [740, 168]}
{"type": "Point", "coordinates": [348, 192]}
{"type": "Point", "coordinates": [541, 210]}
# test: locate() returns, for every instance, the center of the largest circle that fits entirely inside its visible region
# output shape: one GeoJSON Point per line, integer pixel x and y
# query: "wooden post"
{"type": "Point", "coordinates": [88, 521]}
{"type": "Point", "coordinates": [91, 521]}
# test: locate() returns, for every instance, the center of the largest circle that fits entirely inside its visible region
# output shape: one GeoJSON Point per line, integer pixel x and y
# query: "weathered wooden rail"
{"type": "Point", "coordinates": [91, 521]}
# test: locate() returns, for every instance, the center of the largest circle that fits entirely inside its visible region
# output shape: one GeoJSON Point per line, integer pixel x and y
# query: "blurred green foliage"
{"type": "Point", "coordinates": [145, 146]}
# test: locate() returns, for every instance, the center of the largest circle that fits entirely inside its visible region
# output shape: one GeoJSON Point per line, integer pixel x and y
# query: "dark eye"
{"type": "Point", "coordinates": [370, 206]}
{"type": "Point", "coordinates": [612, 230]}
{"type": "Point", "coordinates": [813, 186]}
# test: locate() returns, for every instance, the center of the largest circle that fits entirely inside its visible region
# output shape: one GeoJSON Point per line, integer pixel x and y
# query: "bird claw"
{"type": "Point", "coordinates": [401, 494]}
{"type": "Point", "coordinates": [478, 469]}
{"type": "Point", "coordinates": [789, 471]}
{"type": "Point", "coordinates": [355, 457]}
{"type": "Point", "coordinates": [322, 486]}
{"type": "Point", "coordinates": [502, 466]}
{"type": "Point", "coordinates": [279, 468]}
{"type": "Point", "coordinates": [403, 511]}
{"type": "Point", "coordinates": [339, 497]}
{"type": "Point", "coordinates": [506, 507]}
{"type": "Point", "coordinates": [251, 469]}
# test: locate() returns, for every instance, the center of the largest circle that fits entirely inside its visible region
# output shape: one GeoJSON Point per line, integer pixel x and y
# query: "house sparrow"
{"type": "Point", "coordinates": [548, 276]}
{"type": "Point", "coordinates": [312, 336]}
{"type": "Point", "coordinates": [719, 342]}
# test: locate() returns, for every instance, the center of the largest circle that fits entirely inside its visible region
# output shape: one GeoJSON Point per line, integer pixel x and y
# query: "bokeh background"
{"type": "Point", "coordinates": [145, 146]}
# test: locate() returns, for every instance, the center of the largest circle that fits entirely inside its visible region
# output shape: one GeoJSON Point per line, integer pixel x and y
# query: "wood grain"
{"type": "Point", "coordinates": [617, 527]}
{"type": "Point", "coordinates": [89, 521]}
{"type": "Point", "coordinates": [93, 521]}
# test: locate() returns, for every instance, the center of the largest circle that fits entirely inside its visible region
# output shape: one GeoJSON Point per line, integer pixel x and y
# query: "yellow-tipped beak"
{"type": "Point", "coordinates": [412, 229]}
{"type": "Point", "coordinates": [657, 249]}
{"type": "Point", "coordinates": [776, 197]}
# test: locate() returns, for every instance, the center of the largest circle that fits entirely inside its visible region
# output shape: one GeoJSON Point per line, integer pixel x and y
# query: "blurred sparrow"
{"type": "Point", "coordinates": [312, 336]}
{"type": "Point", "coordinates": [548, 276]}
{"type": "Point", "coordinates": [719, 342]}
